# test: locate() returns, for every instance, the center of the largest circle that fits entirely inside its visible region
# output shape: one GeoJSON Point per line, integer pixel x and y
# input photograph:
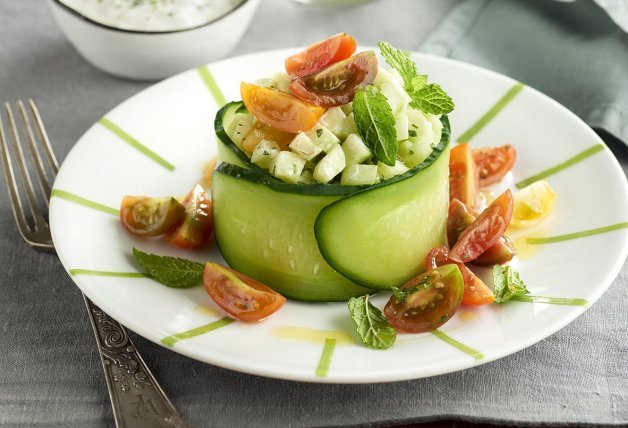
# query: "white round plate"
{"type": "Point", "coordinates": [317, 342]}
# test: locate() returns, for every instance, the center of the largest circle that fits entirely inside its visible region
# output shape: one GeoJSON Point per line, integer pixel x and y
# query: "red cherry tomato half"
{"type": "Point", "coordinates": [463, 176]}
{"type": "Point", "coordinates": [485, 231]}
{"type": "Point", "coordinates": [493, 163]}
{"type": "Point", "coordinates": [336, 85]}
{"type": "Point", "coordinates": [240, 296]}
{"type": "Point", "coordinates": [282, 111]}
{"type": "Point", "coordinates": [197, 227]}
{"type": "Point", "coordinates": [145, 216]}
{"type": "Point", "coordinates": [320, 54]}
{"type": "Point", "coordinates": [459, 218]}
{"type": "Point", "coordinates": [430, 300]}
{"type": "Point", "coordinates": [475, 291]}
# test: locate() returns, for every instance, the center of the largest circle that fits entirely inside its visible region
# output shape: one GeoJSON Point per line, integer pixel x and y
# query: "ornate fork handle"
{"type": "Point", "coordinates": [136, 397]}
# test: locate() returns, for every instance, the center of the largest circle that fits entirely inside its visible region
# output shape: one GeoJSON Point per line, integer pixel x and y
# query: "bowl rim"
{"type": "Point", "coordinates": [79, 15]}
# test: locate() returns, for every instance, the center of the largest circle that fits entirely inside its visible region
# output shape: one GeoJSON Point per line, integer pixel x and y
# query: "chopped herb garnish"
{"type": "Point", "coordinates": [265, 153]}
{"type": "Point", "coordinates": [412, 133]}
{"type": "Point", "coordinates": [319, 132]}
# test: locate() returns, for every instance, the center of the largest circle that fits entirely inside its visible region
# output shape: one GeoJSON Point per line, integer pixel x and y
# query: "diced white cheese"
{"type": "Point", "coordinates": [304, 147]}
{"type": "Point", "coordinates": [384, 171]}
{"type": "Point", "coordinates": [330, 166]}
{"type": "Point", "coordinates": [264, 153]}
{"type": "Point", "coordinates": [323, 138]}
{"type": "Point", "coordinates": [348, 127]}
{"type": "Point", "coordinates": [355, 150]}
{"type": "Point", "coordinates": [287, 166]}
{"type": "Point", "coordinates": [240, 127]}
{"type": "Point", "coordinates": [356, 174]}
{"type": "Point", "coordinates": [333, 119]}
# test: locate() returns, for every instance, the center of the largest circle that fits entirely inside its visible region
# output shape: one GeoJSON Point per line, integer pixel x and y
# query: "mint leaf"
{"type": "Point", "coordinates": [170, 271]}
{"type": "Point", "coordinates": [432, 99]}
{"type": "Point", "coordinates": [375, 123]}
{"type": "Point", "coordinates": [372, 326]}
{"type": "Point", "coordinates": [507, 284]}
{"type": "Point", "coordinates": [428, 98]}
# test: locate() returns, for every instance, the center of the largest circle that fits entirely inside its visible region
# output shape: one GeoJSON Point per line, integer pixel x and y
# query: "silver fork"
{"type": "Point", "coordinates": [136, 397]}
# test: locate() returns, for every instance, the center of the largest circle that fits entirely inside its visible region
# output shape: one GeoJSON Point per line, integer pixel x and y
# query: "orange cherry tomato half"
{"type": "Point", "coordinates": [197, 227]}
{"type": "Point", "coordinates": [459, 218]}
{"type": "Point", "coordinates": [336, 85]}
{"type": "Point", "coordinates": [485, 231]}
{"type": "Point", "coordinates": [282, 111]}
{"type": "Point", "coordinates": [146, 216]}
{"type": "Point", "coordinates": [493, 163]}
{"type": "Point", "coordinates": [476, 292]}
{"type": "Point", "coordinates": [463, 176]}
{"type": "Point", "coordinates": [260, 131]}
{"type": "Point", "coordinates": [320, 54]}
{"type": "Point", "coordinates": [429, 301]}
{"type": "Point", "coordinates": [240, 296]}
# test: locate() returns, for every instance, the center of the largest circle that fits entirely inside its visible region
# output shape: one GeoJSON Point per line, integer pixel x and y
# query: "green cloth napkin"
{"type": "Point", "coordinates": [572, 51]}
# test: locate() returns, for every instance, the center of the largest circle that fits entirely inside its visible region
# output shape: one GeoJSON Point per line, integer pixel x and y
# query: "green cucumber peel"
{"type": "Point", "coordinates": [171, 271]}
{"type": "Point", "coordinates": [372, 326]}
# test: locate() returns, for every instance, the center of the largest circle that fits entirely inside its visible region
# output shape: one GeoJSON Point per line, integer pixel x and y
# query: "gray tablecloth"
{"type": "Point", "coordinates": [50, 374]}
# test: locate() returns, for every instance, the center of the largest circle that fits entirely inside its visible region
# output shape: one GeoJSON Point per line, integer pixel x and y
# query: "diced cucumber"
{"type": "Point", "coordinates": [386, 76]}
{"type": "Point", "coordinates": [257, 238]}
{"type": "Point", "coordinates": [323, 138]}
{"type": "Point", "coordinates": [437, 126]}
{"type": "Point", "coordinates": [413, 153]}
{"type": "Point", "coordinates": [397, 97]}
{"type": "Point", "coordinates": [347, 108]}
{"type": "Point", "coordinates": [287, 166]}
{"type": "Point", "coordinates": [307, 177]}
{"type": "Point", "coordinates": [304, 147]}
{"type": "Point", "coordinates": [379, 237]}
{"type": "Point", "coordinates": [359, 174]}
{"type": "Point", "coordinates": [355, 150]}
{"type": "Point", "coordinates": [385, 171]}
{"type": "Point", "coordinates": [264, 153]}
{"type": "Point", "coordinates": [348, 127]}
{"type": "Point", "coordinates": [333, 119]}
{"type": "Point", "coordinates": [401, 125]}
{"type": "Point", "coordinates": [282, 82]}
{"type": "Point", "coordinates": [240, 127]}
{"type": "Point", "coordinates": [330, 166]}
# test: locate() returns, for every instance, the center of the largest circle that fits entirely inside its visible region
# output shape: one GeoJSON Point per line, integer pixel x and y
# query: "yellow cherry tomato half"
{"type": "Point", "coordinates": [532, 204]}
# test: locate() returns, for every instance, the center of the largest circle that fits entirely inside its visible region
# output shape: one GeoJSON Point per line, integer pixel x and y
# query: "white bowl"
{"type": "Point", "coordinates": [144, 55]}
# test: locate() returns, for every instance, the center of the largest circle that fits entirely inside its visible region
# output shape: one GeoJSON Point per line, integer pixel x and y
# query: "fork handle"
{"type": "Point", "coordinates": [137, 399]}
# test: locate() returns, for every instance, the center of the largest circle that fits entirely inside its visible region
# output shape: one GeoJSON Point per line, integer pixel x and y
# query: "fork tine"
{"type": "Point", "coordinates": [43, 138]}
{"type": "Point", "coordinates": [16, 203]}
{"type": "Point", "coordinates": [44, 184]}
{"type": "Point", "coordinates": [39, 221]}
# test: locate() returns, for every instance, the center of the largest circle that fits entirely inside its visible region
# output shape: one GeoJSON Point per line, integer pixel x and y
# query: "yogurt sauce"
{"type": "Point", "coordinates": [153, 15]}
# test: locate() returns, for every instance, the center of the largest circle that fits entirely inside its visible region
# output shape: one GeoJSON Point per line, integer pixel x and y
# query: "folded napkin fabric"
{"type": "Point", "coordinates": [570, 50]}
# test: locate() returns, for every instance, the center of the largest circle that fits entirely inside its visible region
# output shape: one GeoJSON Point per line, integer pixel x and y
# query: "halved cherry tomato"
{"type": "Point", "coordinates": [494, 162]}
{"type": "Point", "coordinates": [282, 111]}
{"type": "Point", "coordinates": [459, 218]}
{"type": "Point", "coordinates": [336, 85]}
{"type": "Point", "coordinates": [476, 293]}
{"type": "Point", "coordinates": [320, 54]}
{"type": "Point", "coordinates": [463, 176]}
{"type": "Point", "coordinates": [240, 296]}
{"type": "Point", "coordinates": [430, 300]}
{"type": "Point", "coordinates": [146, 216]}
{"type": "Point", "coordinates": [485, 231]}
{"type": "Point", "coordinates": [532, 204]}
{"type": "Point", "coordinates": [197, 227]}
{"type": "Point", "coordinates": [260, 131]}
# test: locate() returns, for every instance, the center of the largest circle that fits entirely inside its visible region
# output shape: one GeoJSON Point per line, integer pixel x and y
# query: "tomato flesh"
{"type": "Point", "coordinates": [320, 54]}
{"type": "Point", "coordinates": [197, 227]}
{"type": "Point", "coordinates": [282, 111]}
{"type": "Point", "coordinates": [432, 299]}
{"type": "Point", "coordinates": [459, 218]}
{"type": "Point", "coordinates": [260, 131]}
{"type": "Point", "coordinates": [146, 216]}
{"type": "Point", "coordinates": [493, 163]}
{"type": "Point", "coordinates": [476, 292]}
{"type": "Point", "coordinates": [463, 176]}
{"type": "Point", "coordinates": [241, 297]}
{"type": "Point", "coordinates": [485, 231]}
{"type": "Point", "coordinates": [337, 84]}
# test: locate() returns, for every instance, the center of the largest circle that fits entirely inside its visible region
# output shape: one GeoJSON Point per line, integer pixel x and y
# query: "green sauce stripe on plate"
{"type": "Point", "coordinates": [574, 235]}
{"type": "Point", "coordinates": [171, 340]}
{"type": "Point", "coordinates": [135, 144]}
{"type": "Point", "coordinates": [569, 301]}
{"type": "Point", "coordinates": [108, 273]}
{"type": "Point", "coordinates": [212, 86]}
{"type": "Point", "coordinates": [326, 356]}
{"type": "Point", "coordinates": [82, 201]}
{"type": "Point", "coordinates": [460, 346]}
